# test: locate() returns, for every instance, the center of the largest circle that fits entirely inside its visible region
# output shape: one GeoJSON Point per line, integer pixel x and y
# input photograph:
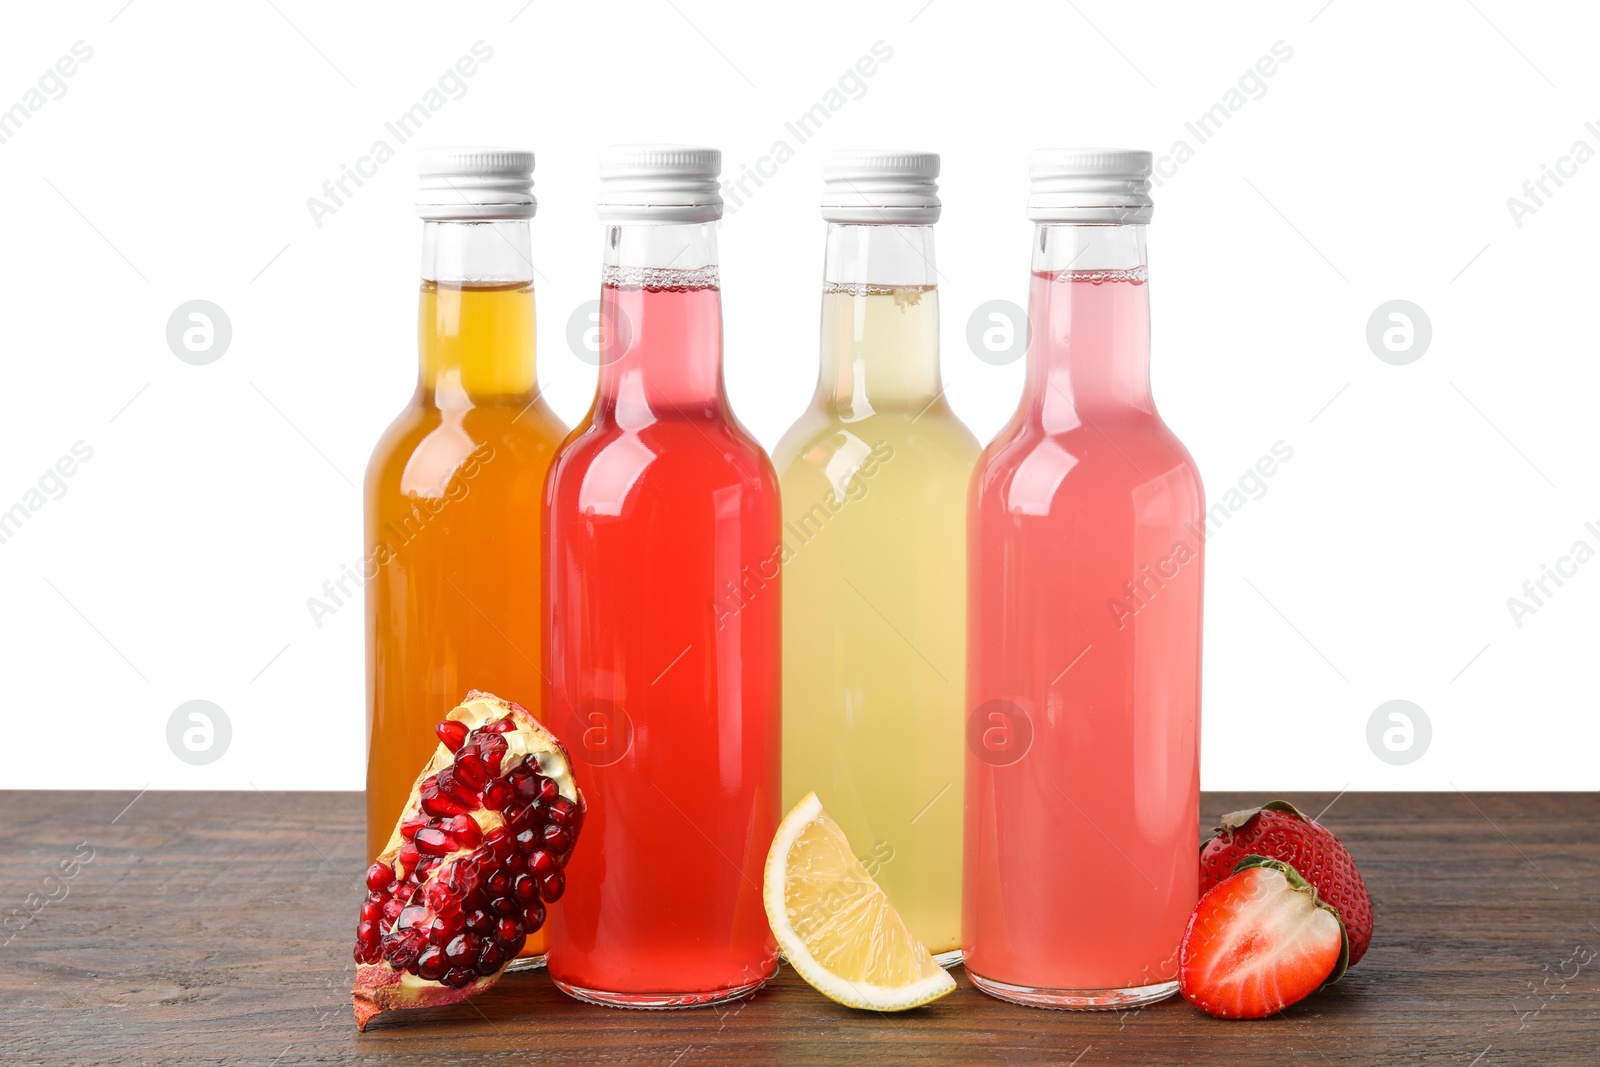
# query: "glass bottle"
{"type": "Point", "coordinates": [874, 478]}
{"type": "Point", "coordinates": [1084, 586]}
{"type": "Point", "coordinates": [662, 620]}
{"type": "Point", "coordinates": [454, 489]}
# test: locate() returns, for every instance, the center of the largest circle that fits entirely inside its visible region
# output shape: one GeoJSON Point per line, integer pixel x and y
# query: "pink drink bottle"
{"type": "Point", "coordinates": [1084, 591]}
{"type": "Point", "coordinates": [662, 616]}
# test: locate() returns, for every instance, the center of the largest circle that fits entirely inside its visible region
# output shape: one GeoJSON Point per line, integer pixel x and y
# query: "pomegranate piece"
{"type": "Point", "coordinates": [471, 864]}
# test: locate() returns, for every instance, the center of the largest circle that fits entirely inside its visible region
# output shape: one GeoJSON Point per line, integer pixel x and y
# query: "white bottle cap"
{"type": "Point", "coordinates": [660, 183]}
{"type": "Point", "coordinates": [1090, 185]}
{"type": "Point", "coordinates": [476, 183]}
{"type": "Point", "coordinates": [881, 185]}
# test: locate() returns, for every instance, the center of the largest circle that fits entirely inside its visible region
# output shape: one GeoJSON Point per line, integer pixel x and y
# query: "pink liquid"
{"type": "Point", "coordinates": [662, 666]}
{"type": "Point", "coordinates": [1081, 845]}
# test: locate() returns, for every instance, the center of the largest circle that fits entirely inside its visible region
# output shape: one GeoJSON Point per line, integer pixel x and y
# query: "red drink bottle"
{"type": "Point", "coordinates": [662, 609]}
{"type": "Point", "coordinates": [1083, 674]}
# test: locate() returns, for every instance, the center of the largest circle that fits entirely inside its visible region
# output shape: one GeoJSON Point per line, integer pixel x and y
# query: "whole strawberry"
{"type": "Point", "coordinates": [1279, 831]}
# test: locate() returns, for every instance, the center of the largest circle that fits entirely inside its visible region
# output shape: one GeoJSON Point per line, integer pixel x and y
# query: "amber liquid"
{"type": "Point", "coordinates": [454, 492]}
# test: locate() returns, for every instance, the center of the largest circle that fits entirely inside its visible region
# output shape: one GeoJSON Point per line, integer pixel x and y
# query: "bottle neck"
{"type": "Point", "coordinates": [475, 323]}
{"type": "Point", "coordinates": [1089, 316]}
{"type": "Point", "coordinates": [880, 320]}
{"type": "Point", "coordinates": [661, 324]}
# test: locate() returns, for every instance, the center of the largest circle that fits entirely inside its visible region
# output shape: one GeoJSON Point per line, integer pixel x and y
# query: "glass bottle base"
{"type": "Point", "coordinates": [525, 963]}
{"type": "Point", "coordinates": [661, 1001]}
{"type": "Point", "coordinates": [949, 959]}
{"type": "Point", "coordinates": [1075, 999]}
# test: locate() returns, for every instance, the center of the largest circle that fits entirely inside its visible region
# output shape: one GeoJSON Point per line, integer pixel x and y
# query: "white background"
{"type": "Point", "coordinates": [1374, 164]}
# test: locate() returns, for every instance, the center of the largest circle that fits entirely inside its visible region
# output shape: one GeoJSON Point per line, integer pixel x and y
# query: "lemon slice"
{"type": "Point", "coordinates": [836, 926]}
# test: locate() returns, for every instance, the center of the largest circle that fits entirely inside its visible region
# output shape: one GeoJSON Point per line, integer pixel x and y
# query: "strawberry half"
{"type": "Point", "coordinates": [1279, 831]}
{"type": "Point", "coordinates": [1259, 941]}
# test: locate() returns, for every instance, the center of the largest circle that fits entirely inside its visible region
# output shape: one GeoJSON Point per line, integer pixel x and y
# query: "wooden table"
{"type": "Point", "coordinates": [216, 927]}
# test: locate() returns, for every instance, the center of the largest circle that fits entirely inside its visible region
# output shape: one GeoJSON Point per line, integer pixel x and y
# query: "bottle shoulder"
{"type": "Point", "coordinates": [1105, 457]}
{"type": "Point", "coordinates": [934, 438]}
{"type": "Point", "coordinates": [423, 444]}
{"type": "Point", "coordinates": [688, 451]}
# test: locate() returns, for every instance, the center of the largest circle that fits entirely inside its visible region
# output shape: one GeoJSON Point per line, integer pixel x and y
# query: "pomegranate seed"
{"type": "Point", "coordinates": [505, 906]}
{"type": "Point", "coordinates": [452, 785]}
{"type": "Point", "coordinates": [554, 884]}
{"type": "Point", "coordinates": [513, 864]}
{"type": "Point", "coordinates": [371, 910]}
{"type": "Point", "coordinates": [498, 794]}
{"type": "Point", "coordinates": [540, 862]}
{"type": "Point", "coordinates": [441, 900]}
{"type": "Point", "coordinates": [497, 884]}
{"type": "Point", "coordinates": [494, 753]}
{"type": "Point", "coordinates": [533, 918]}
{"type": "Point", "coordinates": [471, 768]}
{"type": "Point", "coordinates": [521, 818]}
{"type": "Point", "coordinates": [413, 917]}
{"type": "Point", "coordinates": [525, 889]}
{"type": "Point", "coordinates": [439, 932]}
{"type": "Point", "coordinates": [507, 930]}
{"type": "Point", "coordinates": [462, 879]}
{"type": "Point", "coordinates": [409, 828]}
{"type": "Point", "coordinates": [501, 726]}
{"type": "Point", "coordinates": [478, 921]}
{"type": "Point", "coordinates": [499, 840]}
{"type": "Point", "coordinates": [391, 910]}
{"type": "Point", "coordinates": [379, 875]}
{"type": "Point", "coordinates": [522, 780]}
{"type": "Point", "coordinates": [514, 946]}
{"type": "Point", "coordinates": [367, 932]}
{"type": "Point", "coordinates": [408, 856]}
{"type": "Point", "coordinates": [434, 841]}
{"type": "Point", "coordinates": [490, 958]}
{"type": "Point", "coordinates": [438, 804]}
{"type": "Point", "coordinates": [452, 734]}
{"type": "Point", "coordinates": [465, 830]}
{"type": "Point", "coordinates": [549, 791]}
{"type": "Point", "coordinates": [561, 809]}
{"type": "Point", "coordinates": [425, 867]}
{"type": "Point", "coordinates": [556, 838]}
{"type": "Point", "coordinates": [431, 963]}
{"type": "Point", "coordinates": [462, 949]}
{"type": "Point", "coordinates": [457, 978]}
{"type": "Point", "coordinates": [402, 952]}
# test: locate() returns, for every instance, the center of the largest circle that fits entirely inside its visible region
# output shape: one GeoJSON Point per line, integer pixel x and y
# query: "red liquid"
{"type": "Point", "coordinates": [1080, 869]}
{"type": "Point", "coordinates": [665, 689]}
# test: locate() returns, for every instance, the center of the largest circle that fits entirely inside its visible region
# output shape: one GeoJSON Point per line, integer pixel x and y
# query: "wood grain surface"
{"type": "Point", "coordinates": [190, 928]}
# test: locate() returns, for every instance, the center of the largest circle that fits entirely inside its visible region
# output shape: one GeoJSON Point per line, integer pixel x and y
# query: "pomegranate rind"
{"type": "Point", "coordinates": [379, 987]}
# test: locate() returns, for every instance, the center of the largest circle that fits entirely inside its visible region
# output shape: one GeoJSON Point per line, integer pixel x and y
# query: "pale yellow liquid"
{"type": "Point", "coordinates": [874, 482]}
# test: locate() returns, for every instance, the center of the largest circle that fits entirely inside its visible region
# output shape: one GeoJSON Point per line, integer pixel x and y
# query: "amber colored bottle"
{"type": "Point", "coordinates": [455, 487]}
